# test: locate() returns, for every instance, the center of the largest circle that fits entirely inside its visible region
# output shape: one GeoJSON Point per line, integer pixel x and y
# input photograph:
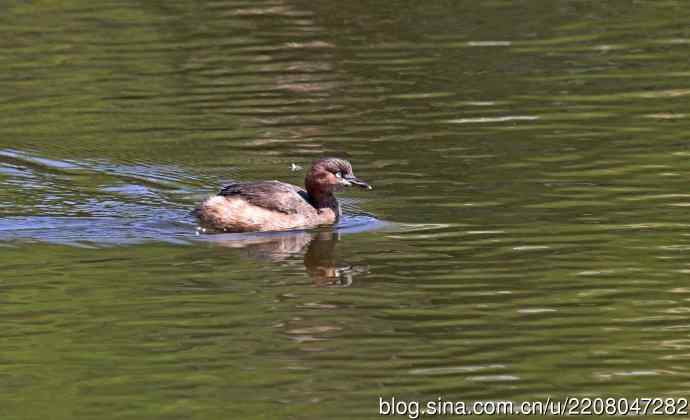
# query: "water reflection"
{"type": "Point", "coordinates": [318, 249]}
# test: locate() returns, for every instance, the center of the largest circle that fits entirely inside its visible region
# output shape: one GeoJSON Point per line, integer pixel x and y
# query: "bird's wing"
{"type": "Point", "coordinates": [271, 195]}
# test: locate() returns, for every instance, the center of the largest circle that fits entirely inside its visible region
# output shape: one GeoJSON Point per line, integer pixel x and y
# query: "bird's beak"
{"type": "Point", "coordinates": [353, 180]}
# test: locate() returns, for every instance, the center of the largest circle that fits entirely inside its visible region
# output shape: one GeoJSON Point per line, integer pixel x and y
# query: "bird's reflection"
{"type": "Point", "coordinates": [317, 247]}
{"type": "Point", "coordinates": [322, 263]}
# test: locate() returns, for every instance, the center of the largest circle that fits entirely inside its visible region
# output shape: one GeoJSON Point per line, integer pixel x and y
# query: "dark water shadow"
{"type": "Point", "coordinates": [316, 247]}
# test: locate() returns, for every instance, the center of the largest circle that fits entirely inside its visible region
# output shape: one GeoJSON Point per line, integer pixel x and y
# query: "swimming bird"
{"type": "Point", "coordinates": [273, 205]}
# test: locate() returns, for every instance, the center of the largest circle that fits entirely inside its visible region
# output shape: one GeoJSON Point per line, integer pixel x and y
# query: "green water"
{"type": "Point", "coordinates": [528, 235]}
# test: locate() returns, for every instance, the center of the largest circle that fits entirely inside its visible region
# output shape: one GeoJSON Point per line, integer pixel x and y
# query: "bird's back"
{"type": "Point", "coordinates": [258, 206]}
{"type": "Point", "coordinates": [271, 195]}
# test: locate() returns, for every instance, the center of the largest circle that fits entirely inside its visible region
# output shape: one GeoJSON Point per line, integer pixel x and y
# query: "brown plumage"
{"type": "Point", "coordinates": [274, 205]}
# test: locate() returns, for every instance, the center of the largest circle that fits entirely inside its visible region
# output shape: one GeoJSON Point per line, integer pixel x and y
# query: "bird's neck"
{"type": "Point", "coordinates": [323, 200]}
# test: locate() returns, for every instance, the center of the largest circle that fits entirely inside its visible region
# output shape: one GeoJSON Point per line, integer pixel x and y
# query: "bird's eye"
{"type": "Point", "coordinates": [338, 174]}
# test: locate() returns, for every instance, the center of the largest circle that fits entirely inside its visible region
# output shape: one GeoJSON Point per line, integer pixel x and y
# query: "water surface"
{"type": "Point", "coordinates": [528, 235]}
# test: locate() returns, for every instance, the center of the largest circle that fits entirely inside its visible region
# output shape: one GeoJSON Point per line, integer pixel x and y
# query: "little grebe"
{"type": "Point", "coordinates": [273, 205]}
